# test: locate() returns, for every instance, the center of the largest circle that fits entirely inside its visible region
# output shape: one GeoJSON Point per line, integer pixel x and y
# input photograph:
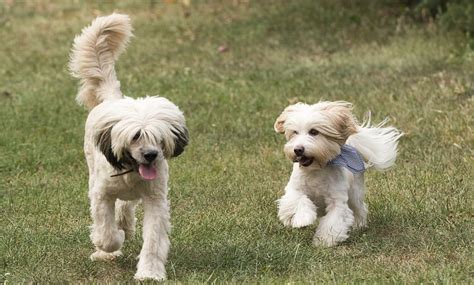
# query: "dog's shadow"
{"type": "Point", "coordinates": [223, 259]}
{"type": "Point", "coordinates": [280, 250]}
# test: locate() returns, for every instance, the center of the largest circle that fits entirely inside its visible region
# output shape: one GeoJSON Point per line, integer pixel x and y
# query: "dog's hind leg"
{"type": "Point", "coordinates": [125, 216]}
{"type": "Point", "coordinates": [356, 202]}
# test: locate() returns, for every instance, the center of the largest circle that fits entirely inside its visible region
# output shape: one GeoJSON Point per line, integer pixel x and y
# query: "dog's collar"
{"type": "Point", "coordinates": [123, 173]}
{"type": "Point", "coordinates": [350, 159]}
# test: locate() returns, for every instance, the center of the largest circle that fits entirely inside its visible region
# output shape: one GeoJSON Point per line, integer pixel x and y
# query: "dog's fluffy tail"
{"type": "Point", "coordinates": [377, 144]}
{"type": "Point", "coordinates": [93, 58]}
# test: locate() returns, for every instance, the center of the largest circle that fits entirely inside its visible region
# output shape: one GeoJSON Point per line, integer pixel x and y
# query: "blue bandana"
{"type": "Point", "coordinates": [350, 159]}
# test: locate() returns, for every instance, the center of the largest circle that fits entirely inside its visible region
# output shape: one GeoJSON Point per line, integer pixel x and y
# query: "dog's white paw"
{"type": "Point", "coordinates": [303, 219]}
{"type": "Point", "coordinates": [297, 213]}
{"type": "Point", "coordinates": [100, 255]}
{"type": "Point", "coordinates": [285, 219]}
{"type": "Point", "coordinates": [109, 243]}
{"type": "Point", "coordinates": [360, 224]}
{"type": "Point", "coordinates": [329, 238]}
{"type": "Point", "coordinates": [324, 242]}
{"type": "Point", "coordinates": [299, 219]}
{"type": "Point", "coordinates": [149, 275]}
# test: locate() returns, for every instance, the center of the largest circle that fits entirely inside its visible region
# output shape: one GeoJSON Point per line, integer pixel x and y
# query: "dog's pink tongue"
{"type": "Point", "coordinates": [148, 172]}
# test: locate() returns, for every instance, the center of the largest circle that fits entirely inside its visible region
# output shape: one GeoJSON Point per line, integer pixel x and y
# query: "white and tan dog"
{"type": "Point", "coordinates": [330, 152]}
{"type": "Point", "coordinates": [127, 143]}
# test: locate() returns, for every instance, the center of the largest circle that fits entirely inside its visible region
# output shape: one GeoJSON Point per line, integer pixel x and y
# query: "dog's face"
{"type": "Point", "coordinates": [316, 132]}
{"type": "Point", "coordinates": [136, 134]}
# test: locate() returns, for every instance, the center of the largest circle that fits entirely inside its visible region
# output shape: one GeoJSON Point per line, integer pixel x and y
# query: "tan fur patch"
{"type": "Point", "coordinates": [280, 121]}
{"type": "Point", "coordinates": [341, 123]}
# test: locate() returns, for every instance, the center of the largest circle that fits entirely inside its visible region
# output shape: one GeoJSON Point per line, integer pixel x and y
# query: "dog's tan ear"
{"type": "Point", "coordinates": [340, 117]}
{"type": "Point", "coordinates": [278, 126]}
{"type": "Point", "coordinates": [280, 121]}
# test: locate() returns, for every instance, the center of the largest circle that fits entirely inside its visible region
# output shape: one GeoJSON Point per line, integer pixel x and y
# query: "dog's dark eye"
{"type": "Point", "coordinates": [136, 136]}
{"type": "Point", "coordinates": [313, 132]}
{"type": "Point", "coordinates": [295, 132]}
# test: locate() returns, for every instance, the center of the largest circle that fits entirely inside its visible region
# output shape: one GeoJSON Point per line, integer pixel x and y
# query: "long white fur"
{"type": "Point", "coordinates": [155, 117]}
{"type": "Point", "coordinates": [329, 191]}
{"type": "Point", "coordinates": [113, 199]}
{"type": "Point", "coordinates": [377, 144]}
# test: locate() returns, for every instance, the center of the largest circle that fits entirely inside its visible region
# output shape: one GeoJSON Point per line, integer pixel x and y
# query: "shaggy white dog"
{"type": "Point", "coordinates": [330, 152]}
{"type": "Point", "coordinates": [126, 144]}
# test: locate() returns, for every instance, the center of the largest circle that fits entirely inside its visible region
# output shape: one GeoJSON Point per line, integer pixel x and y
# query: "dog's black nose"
{"type": "Point", "coordinates": [299, 150]}
{"type": "Point", "coordinates": [150, 155]}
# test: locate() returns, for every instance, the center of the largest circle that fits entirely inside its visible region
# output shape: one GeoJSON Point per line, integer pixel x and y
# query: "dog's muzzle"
{"type": "Point", "coordinates": [301, 158]}
{"type": "Point", "coordinates": [304, 160]}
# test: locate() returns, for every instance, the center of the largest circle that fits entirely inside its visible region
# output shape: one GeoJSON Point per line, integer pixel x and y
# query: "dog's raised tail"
{"type": "Point", "coordinates": [377, 144]}
{"type": "Point", "coordinates": [93, 57]}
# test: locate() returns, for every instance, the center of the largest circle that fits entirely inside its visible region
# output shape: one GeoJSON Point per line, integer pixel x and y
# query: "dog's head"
{"type": "Point", "coordinates": [316, 132]}
{"type": "Point", "coordinates": [136, 134]}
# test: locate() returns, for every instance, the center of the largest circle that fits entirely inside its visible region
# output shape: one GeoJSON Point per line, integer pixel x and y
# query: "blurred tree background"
{"type": "Point", "coordinates": [449, 14]}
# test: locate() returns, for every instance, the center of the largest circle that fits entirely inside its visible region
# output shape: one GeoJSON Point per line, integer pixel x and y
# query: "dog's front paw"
{"type": "Point", "coordinates": [297, 213]}
{"type": "Point", "coordinates": [100, 255]}
{"type": "Point", "coordinates": [109, 243]}
{"type": "Point", "coordinates": [285, 218]}
{"type": "Point", "coordinates": [299, 219]}
{"type": "Point", "coordinates": [360, 224]}
{"type": "Point", "coordinates": [324, 242]}
{"type": "Point", "coordinates": [328, 237]}
{"type": "Point", "coordinates": [149, 275]}
{"type": "Point", "coordinates": [303, 218]}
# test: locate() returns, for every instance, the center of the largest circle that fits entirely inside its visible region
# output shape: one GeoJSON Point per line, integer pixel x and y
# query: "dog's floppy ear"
{"type": "Point", "coordinates": [280, 121]}
{"type": "Point", "coordinates": [181, 139]}
{"type": "Point", "coordinates": [278, 126]}
{"type": "Point", "coordinates": [340, 117]}
{"type": "Point", "coordinates": [103, 141]}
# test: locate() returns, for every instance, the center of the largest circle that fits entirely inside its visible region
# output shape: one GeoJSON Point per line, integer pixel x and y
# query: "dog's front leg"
{"type": "Point", "coordinates": [156, 226]}
{"type": "Point", "coordinates": [295, 209]}
{"type": "Point", "coordinates": [105, 235]}
{"type": "Point", "coordinates": [335, 225]}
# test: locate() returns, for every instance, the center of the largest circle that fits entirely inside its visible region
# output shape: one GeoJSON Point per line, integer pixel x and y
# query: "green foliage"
{"type": "Point", "coordinates": [450, 14]}
{"type": "Point", "coordinates": [459, 15]}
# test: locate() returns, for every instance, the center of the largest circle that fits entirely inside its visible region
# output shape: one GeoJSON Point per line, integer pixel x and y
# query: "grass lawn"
{"type": "Point", "coordinates": [224, 186]}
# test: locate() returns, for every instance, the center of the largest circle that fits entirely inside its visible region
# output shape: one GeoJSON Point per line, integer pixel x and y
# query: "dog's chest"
{"type": "Point", "coordinates": [125, 188]}
{"type": "Point", "coordinates": [312, 183]}
{"type": "Point", "coordinates": [321, 183]}
{"type": "Point", "coordinates": [129, 193]}
{"type": "Point", "coordinates": [316, 186]}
